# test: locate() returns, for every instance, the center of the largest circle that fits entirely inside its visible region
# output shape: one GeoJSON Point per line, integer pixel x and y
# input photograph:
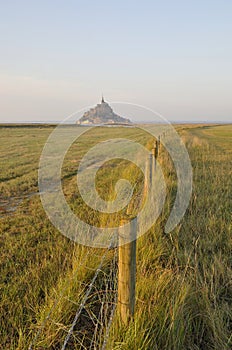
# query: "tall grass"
{"type": "Point", "coordinates": [183, 290]}
{"type": "Point", "coordinates": [184, 278]}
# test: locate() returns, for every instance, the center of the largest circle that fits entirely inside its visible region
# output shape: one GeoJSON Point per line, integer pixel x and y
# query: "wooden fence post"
{"type": "Point", "coordinates": [148, 174]}
{"type": "Point", "coordinates": [153, 163]}
{"type": "Point", "coordinates": [156, 149]}
{"type": "Point", "coordinates": [127, 271]}
{"type": "Point", "coordinates": [127, 251]}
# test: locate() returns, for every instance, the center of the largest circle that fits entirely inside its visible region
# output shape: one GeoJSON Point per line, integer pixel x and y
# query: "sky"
{"type": "Point", "coordinates": [174, 57]}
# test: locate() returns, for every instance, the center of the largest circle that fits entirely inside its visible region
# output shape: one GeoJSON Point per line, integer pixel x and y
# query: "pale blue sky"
{"type": "Point", "coordinates": [173, 56]}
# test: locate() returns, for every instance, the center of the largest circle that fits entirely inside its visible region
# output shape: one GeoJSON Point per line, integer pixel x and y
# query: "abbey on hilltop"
{"type": "Point", "coordinates": [102, 114]}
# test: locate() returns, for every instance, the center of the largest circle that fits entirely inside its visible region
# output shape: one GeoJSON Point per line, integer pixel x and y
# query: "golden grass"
{"type": "Point", "coordinates": [183, 297]}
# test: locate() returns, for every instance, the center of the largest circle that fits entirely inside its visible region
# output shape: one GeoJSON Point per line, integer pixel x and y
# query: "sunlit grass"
{"type": "Point", "coordinates": [183, 291]}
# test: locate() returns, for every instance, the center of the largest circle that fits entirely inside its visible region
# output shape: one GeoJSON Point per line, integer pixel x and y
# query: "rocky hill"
{"type": "Point", "coordinates": [102, 114]}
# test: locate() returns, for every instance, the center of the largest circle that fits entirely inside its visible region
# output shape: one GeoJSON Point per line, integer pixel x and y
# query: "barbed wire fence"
{"type": "Point", "coordinates": [96, 307]}
{"type": "Point", "coordinates": [95, 303]}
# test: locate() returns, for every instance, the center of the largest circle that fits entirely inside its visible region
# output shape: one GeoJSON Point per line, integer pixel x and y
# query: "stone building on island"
{"type": "Point", "coordinates": [102, 114]}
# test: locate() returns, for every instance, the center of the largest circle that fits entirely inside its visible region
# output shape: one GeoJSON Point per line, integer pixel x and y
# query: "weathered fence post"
{"type": "Point", "coordinates": [127, 271]}
{"type": "Point", "coordinates": [157, 149]}
{"type": "Point", "coordinates": [148, 174]}
{"type": "Point", "coordinates": [153, 152]}
{"type": "Point", "coordinates": [127, 249]}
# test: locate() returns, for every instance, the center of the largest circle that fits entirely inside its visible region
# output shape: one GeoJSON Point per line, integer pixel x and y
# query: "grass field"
{"type": "Point", "coordinates": [183, 291]}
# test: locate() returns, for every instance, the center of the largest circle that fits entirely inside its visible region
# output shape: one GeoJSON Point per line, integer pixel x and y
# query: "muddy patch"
{"type": "Point", "coordinates": [8, 206]}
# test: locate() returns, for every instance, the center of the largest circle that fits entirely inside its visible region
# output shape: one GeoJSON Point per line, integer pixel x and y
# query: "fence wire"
{"type": "Point", "coordinates": [95, 303]}
{"type": "Point", "coordinates": [95, 308]}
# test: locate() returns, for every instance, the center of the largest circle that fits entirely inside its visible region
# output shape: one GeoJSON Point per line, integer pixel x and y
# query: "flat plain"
{"type": "Point", "coordinates": [183, 290]}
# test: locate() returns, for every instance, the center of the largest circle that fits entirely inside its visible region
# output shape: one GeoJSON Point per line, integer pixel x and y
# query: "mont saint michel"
{"type": "Point", "coordinates": [102, 114]}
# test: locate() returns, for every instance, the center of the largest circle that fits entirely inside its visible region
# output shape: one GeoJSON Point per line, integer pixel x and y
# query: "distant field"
{"type": "Point", "coordinates": [184, 290]}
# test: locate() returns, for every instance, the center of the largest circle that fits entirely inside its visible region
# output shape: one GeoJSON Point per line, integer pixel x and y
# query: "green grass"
{"type": "Point", "coordinates": [183, 291]}
{"type": "Point", "coordinates": [184, 286]}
